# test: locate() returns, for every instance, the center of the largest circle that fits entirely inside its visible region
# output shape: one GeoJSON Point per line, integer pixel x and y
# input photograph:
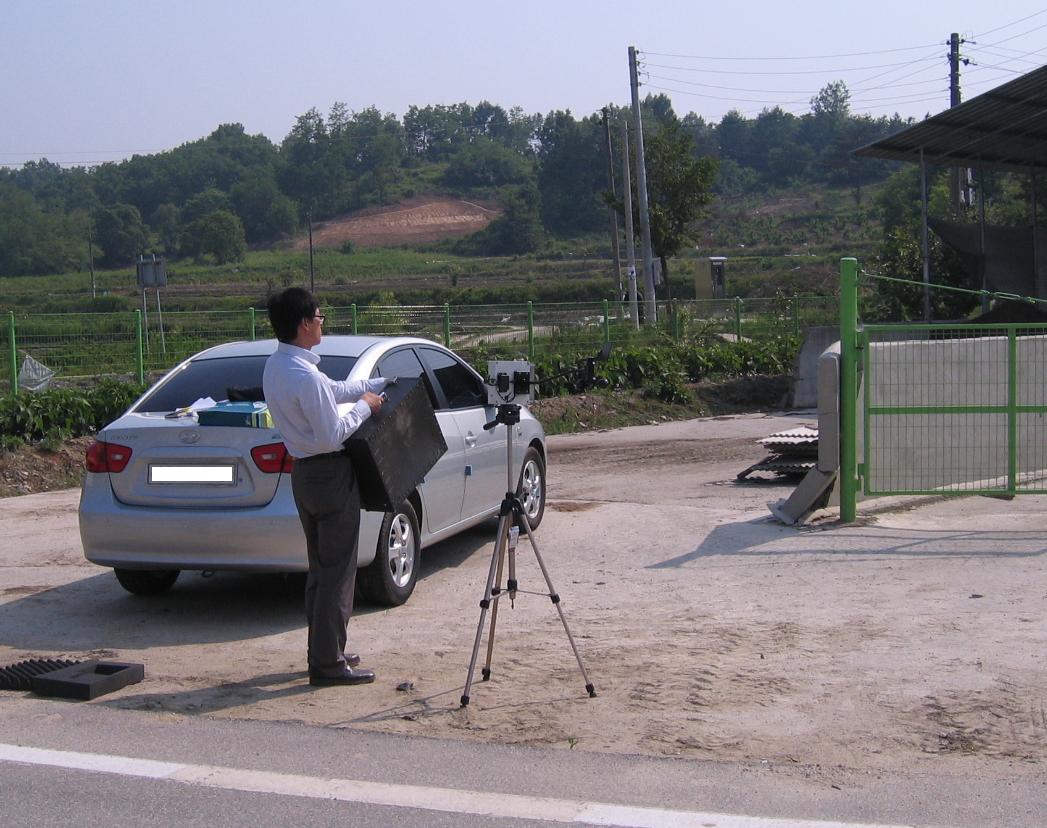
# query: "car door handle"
{"type": "Point", "coordinates": [470, 440]}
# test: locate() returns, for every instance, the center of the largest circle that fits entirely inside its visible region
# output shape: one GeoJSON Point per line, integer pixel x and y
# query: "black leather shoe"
{"type": "Point", "coordinates": [348, 676]}
{"type": "Point", "coordinates": [352, 659]}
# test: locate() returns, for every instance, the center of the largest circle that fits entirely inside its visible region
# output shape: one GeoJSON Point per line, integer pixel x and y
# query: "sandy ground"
{"type": "Point", "coordinates": [914, 640]}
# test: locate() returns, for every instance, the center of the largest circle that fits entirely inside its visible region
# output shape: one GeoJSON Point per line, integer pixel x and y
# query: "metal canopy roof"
{"type": "Point", "coordinates": [1004, 128]}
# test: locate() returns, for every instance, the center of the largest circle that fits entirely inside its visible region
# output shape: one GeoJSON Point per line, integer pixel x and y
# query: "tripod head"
{"type": "Point", "coordinates": [507, 414]}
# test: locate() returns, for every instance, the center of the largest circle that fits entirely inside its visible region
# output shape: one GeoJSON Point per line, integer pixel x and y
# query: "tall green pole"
{"type": "Point", "coordinates": [530, 330]}
{"type": "Point", "coordinates": [738, 318]}
{"type": "Point", "coordinates": [1012, 409]}
{"type": "Point", "coordinates": [352, 310]}
{"type": "Point", "coordinates": [848, 389]}
{"type": "Point", "coordinates": [14, 351]}
{"type": "Point", "coordinates": [447, 324]}
{"type": "Point", "coordinates": [252, 325]}
{"type": "Point", "coordinates": [139, 350]}
{"type": "Point", "coordinates": [606, 321]}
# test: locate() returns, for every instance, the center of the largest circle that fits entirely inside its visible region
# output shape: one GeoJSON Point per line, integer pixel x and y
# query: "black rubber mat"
{"type": "Point", "coordinates": [19, 676]}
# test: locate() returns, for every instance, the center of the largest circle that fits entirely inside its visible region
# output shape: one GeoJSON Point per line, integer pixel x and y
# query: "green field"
{"type": "Point", "coordinates": [778, 245]}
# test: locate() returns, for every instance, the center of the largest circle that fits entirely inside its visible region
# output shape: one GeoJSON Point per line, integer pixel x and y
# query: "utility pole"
{"type": "Point", "coordinates": [958, 181]}
{"type": "Point", "coordinates": [630, 250]}
{"type": "Point", "coordinates": [650, 308]}
{"type": "Point", "coordinates": [615, 249]}
{"type": "Point", "coordinates": [91, 255]}
{"type": "Point", "coordinates": [924, 241]}
{"type": "Point", "coordinates": [312, 281]}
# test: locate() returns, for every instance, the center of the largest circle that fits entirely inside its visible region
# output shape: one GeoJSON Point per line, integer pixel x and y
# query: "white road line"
{"type": "Point", "coordinates": [450, 800]}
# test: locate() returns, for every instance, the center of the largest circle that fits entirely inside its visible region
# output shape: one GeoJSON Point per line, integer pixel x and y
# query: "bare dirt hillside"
{"type": "Point", "coordinates": [409, 222]}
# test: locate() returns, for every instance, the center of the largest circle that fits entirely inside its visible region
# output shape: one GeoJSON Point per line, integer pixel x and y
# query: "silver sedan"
{"type": "Point", "coordinates": [163, 493]}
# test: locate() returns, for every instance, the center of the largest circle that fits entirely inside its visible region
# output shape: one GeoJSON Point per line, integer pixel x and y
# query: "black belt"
{"type": "Point", "coordinates": [327, 456]}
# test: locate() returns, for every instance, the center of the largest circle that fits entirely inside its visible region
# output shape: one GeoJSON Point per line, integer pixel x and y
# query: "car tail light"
{"type": "Point", "coordinates": [272, 458]}
{"type": "Point", "coordinates": [107, 457]}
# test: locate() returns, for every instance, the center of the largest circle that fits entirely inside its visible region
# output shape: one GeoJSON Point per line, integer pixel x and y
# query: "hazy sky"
{"type": "Point", "coordinates": [86, 82]}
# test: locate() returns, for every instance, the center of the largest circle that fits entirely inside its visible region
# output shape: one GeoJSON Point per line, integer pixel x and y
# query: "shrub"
{"type": "Point", "coordinates": [663, 371]}
{"type": "Point", "coordinates": [61, 413]}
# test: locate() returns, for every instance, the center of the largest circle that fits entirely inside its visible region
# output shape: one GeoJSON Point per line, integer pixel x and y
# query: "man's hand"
{"type": "Point", "coordinates": [373, 400]}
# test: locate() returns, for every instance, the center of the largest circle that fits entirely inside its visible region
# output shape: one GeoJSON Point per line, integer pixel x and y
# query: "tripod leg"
{"type": "Point", "coordinates": [503, 531]}
{"type": "Point", "coordinates": [555, 598]}
{"type": "Point", "coordinates": [485, 673]}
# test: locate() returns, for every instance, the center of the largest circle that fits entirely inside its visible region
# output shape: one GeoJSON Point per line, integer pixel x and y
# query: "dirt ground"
{"type": "Point", "coordinates": [913, 641]}
{"type": "Point", "coordinates": [411, 222]}
{"type": "Point", "coordinates": [29, 469]}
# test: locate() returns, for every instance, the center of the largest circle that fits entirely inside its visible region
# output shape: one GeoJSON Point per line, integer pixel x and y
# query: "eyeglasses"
{"type": "Point", "coordinates": [320, 318]}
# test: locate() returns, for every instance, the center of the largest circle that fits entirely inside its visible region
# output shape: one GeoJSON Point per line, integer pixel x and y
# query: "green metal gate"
{"type": "Point", "coordinates": [954, 409]}
{"type": "Point", "coordinates": [944, 409]}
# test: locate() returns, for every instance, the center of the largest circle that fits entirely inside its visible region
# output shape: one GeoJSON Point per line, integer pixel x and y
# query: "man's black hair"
{"type": "Point", "coordinates": [288, 308]}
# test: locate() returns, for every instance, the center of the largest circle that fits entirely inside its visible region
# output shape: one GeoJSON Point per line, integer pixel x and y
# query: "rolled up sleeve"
{"type": "Point", "coordinates": [347, 391]}
{"type": "Point", "coordinates": [330, 429]}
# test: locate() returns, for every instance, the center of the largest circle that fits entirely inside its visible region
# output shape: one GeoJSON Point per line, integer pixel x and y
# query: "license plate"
{"type": "Point", "coordinates": [223, 474]}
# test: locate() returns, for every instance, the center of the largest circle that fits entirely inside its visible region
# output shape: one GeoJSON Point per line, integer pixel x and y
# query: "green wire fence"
{"type": "Point", "coordinates": [137, 346]}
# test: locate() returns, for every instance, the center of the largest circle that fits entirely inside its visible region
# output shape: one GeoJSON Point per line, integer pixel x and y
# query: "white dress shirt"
{"type": "Point", "coordinates": [304, 402]}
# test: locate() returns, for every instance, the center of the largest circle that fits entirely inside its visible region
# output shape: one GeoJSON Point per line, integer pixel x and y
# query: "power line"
{"type": "Point", "coordinates": [788, 91]}
{"type": "Point", "coordinates": [936, 79]}
{"type": "Point", "coordinates": [855, 98]}
{"type": "Point", "coordinates": [934, 56]}
{"type": "Point", "coordinates": [915, 98]}
{"type": "Point", "coordinates": [720, 97]}
{"type": "Point", "coordinates": [1010, 58]}
{"type": "Point", "coordinates": [836, 71]}
{"type": "Point", "coordinates": [1015, 37]}
{"type": "Point", "coordinates": [1014, 23]}
{"type": "Point", "coordinates": [1017, 52]}
{"type": "Point", "coordinates": [1001, 69]}
{"type": "Point", "coordinates": [1003, 64]}
{"type": "Point", "coordinates": [787, 57]}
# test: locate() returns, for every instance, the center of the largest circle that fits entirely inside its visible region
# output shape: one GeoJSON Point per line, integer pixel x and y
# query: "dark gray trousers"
{"type": "Point", "coordinates": [328, 502]}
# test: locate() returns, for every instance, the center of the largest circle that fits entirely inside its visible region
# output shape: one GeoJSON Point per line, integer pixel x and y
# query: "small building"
{"type": "Point", "coordinates": [710, 282]}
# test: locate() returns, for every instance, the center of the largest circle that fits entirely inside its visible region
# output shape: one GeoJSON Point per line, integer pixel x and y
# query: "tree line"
{"type": "Point", "coordinates": [212, 198]}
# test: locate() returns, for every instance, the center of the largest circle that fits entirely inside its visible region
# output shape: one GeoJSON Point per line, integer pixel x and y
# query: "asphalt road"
{"type": "Point", "coordinates": [64, 762]}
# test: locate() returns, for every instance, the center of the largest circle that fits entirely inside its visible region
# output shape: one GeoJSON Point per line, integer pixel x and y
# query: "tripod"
{"type": "Point", "coordinates": [511, 512]}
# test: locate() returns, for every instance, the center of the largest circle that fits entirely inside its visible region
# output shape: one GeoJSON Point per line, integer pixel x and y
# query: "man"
{"type": "Point", "coordinates": [304, 405]}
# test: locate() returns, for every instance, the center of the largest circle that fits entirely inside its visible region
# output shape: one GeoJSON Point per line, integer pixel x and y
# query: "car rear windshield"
{"type": "Point", "coordinates": [225, 378]}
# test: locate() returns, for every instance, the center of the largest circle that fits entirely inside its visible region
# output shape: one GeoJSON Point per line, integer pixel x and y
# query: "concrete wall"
{"type": "Point", "coordinates": [955, 451]}
{"type": "Point", "coordinates": [805, 372]}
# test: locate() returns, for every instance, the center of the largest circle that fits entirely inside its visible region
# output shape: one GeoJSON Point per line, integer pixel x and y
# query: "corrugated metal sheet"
{"type": "Point", "coordinates": [1004, 128]}
{"type": "Point", "coordinates": [793, 453]}
{"type": "Point", "coordinates": [802, 436]}
{"type": "Point", "coordinates": [779, 465]}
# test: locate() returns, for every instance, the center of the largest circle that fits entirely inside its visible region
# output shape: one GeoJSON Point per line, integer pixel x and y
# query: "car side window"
{"type": "Point", "coordinates": [406, 365]}
{"type": "Point", "coordinates": [461, 387]}
{"type": "Point", "coordinates": [403, 363]}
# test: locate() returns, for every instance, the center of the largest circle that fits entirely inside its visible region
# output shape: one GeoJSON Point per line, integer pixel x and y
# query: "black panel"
{"type": "Point", "coordinates": [394, 449]}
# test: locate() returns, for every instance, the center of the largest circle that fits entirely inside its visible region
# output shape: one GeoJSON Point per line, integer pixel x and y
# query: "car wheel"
{"type": "Point", "coordinates": [146, 581]}
{"type": "Point", "coordinates": [391, 578]}
{"type": "Point", "coordinates": [531, 489]}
